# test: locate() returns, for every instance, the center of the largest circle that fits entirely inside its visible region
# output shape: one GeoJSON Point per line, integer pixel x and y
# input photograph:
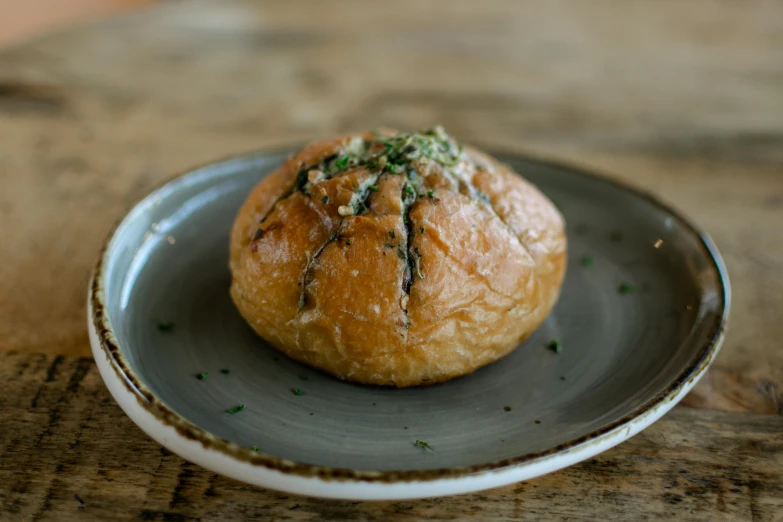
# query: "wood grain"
{"type": "Point", "coordinates": [67, 452]}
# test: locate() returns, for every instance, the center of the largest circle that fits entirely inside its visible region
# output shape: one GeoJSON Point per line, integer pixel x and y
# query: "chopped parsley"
{"type": "Point", "coordinates": [236, 409]}
{"type": "Point", "coordinates": [342, 162]}
{"type": "Point", "coordinates": [325, 200]}
{"type": "Point", "coordinates": [255, 448]}
{"type": "Point", "coordinates": [625, 288]}
{"type": "Point", "coordinates": [401, 254]}
{"type": "Point", "coordinates": [165, 326]}
{"type": "Point", "coordinates": [391, 234]}
{"type": "Point", "coordinates": [388, 245]}
{"type": "Point", "coordinates": [421, 229]}
{"type": "Point", "coordinates": [374, 188]}
{"type": "Point", "coordinates": [348, 242]}
{"type": "Point", "coordinates": [225, 371]}
{"type": "Point", "coordinates": [202, 376]}
{"type": "Point", "coordinates": [409, 190]}
{"type": "Point", "coordinates": [587, 261]}
{"type": "Point", "coordinates": [297, 391]}
{"type": "Point", "coordinates": [430, 194]}
{"type": "Point", "coordinates": [554, 345]}
{"type": "Point", "coordinates": [423, 445]}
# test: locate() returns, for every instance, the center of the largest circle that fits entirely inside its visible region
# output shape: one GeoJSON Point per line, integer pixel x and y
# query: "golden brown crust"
{"type": "Point", "coordinates": [378, 279]}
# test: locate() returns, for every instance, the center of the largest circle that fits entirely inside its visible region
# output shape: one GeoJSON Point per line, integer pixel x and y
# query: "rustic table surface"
{"type": "Point", "coordinates": [682, 99]}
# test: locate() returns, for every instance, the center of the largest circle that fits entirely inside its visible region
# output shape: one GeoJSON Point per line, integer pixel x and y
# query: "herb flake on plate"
{"type": "Point", "coordinates": [165, 326]}
{"type": "Point", "coordinates": [423, 445]}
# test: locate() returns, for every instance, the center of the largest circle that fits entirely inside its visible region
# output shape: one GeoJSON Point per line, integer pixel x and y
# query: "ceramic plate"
{"type": "Point", "coordinates": [641, 316]}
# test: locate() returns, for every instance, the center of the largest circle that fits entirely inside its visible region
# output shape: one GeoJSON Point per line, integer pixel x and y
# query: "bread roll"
{"type": "Point", "coordinates": [396, 259]}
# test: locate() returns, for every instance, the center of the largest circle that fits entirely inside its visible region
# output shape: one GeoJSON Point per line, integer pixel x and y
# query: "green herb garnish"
{"type": "Point", "coordinates": [202, 376]}
{"type": "Point", "coordinates": [236, 409]}
{"type": "Point", "coordinates": [391, 234]}
{"type": "Point", "coordinates": [430, 194]}
{"type": "Point", "coordinates": [165, 326]}
{"type": "Point", "coordinates": [255, 448]}
{"type": "Point", "coordinates": [325, 200]}
{"type": "Point", "coordinates": [342, 162]}
{"type": "Point", "coordinates": [624, 288]}
{"type": "Point", "coordinates": [554, 345]}
{"type": "Point", "coordinates": [225, 371]}
{"type": "Point", "coordinates": [401, 254]}
{"type": "Point", "coordinates": [421, 229]}
{"type": "Point", "coordinates": [587, 261]}
{"type": "Point", "coordinates": [562, 377]}
{"type": "Point", "coordinates": [423, 445]}
{"type": "Point", "coordinates": [348, 242]}
{"type": "Point", "coordinates": [374, 188]}
{"type": "Point", "coordinates": [409, 190]}
{"type": "Point", "coordinates": [296, 391]}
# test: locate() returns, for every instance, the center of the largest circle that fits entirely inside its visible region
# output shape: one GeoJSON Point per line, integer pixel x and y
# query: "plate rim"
{"type": "Point", "coordinates": [105, 344]}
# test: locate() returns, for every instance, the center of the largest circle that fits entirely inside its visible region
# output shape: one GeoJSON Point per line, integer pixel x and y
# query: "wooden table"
{"type": "Point", "coordinates": [683, 99]}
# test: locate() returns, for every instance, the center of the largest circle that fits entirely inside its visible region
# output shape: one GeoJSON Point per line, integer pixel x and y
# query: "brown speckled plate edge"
{"type": "Point", "coordinates": [100, 325]}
